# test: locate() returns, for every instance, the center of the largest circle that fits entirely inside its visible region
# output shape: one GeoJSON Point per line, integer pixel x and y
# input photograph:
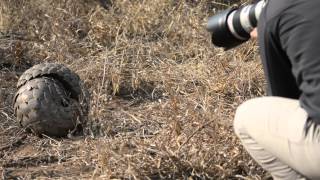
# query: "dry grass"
{"type": "Point", "coordinates": [162, 97]}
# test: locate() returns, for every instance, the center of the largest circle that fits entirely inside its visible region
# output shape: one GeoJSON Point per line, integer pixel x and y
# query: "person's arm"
{"type": "Point", "coordinates": [300, 39]}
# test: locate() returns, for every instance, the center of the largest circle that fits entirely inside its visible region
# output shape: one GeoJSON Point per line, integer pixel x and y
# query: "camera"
{"type": "Point", "coordinates": [232, 27]}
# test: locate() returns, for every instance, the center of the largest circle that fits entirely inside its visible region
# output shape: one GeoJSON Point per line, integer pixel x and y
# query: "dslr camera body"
{"type": "Point", "coordinates": [232, 27]}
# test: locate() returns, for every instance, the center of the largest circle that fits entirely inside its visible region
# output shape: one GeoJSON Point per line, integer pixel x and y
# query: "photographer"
{"type": "Point", "coordinates": [282, 131]}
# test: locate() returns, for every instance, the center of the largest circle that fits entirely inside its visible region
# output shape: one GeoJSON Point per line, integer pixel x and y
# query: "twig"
{"type": "Point", "coordinates": [195, 132]}
{"type": "Point", "coordinates": [132, 116]}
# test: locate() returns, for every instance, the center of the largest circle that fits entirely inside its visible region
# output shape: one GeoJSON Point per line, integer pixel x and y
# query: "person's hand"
{"type": "Point", "coordinates": [254, 33]}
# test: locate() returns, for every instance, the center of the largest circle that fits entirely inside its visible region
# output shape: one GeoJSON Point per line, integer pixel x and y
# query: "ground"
{"type": "Point", "coordinates": [163, 97]}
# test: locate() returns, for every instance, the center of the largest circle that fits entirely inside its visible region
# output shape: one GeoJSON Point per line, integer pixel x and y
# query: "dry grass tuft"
{"type": "Point", "coordinates": [163, 98]}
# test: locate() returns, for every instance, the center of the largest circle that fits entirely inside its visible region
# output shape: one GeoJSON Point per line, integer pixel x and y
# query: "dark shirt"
{"type": "Point", "coordinates": [289, 39]}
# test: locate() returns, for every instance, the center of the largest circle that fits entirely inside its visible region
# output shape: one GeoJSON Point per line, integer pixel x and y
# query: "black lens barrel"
{"type": "Point", "coordinates": [252, 16]}
{"type": "Point", "coordinates": [238, 26]}
{"type": "Point", "coordinates": [221, 34]}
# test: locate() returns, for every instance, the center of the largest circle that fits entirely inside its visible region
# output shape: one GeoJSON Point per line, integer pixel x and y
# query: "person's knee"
{"type": "Point", "coordinates": [244, 115]}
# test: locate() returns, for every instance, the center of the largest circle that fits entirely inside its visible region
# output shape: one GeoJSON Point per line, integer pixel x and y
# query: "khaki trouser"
{"type": "Point", "coordinates": [272, 129]}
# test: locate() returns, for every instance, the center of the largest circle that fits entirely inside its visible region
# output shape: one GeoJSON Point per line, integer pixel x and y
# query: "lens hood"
{"type": "Point", "coordinates": [221, 34]}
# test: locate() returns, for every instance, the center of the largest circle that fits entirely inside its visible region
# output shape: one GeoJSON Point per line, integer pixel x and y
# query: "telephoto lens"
{"type": "Point", "coordinates": [232, 27]}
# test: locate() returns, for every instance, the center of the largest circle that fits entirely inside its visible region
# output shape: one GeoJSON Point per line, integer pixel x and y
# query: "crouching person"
{"type": "Point", "coordinates": [282, 131]}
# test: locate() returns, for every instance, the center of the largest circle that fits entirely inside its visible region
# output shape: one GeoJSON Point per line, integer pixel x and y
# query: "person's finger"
{"type": "Point", "coordinates": [254, 33]}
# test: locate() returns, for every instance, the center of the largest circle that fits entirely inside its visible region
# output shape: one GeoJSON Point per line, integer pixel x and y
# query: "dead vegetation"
{"type": "Point", "coordinates": [162, 97]}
